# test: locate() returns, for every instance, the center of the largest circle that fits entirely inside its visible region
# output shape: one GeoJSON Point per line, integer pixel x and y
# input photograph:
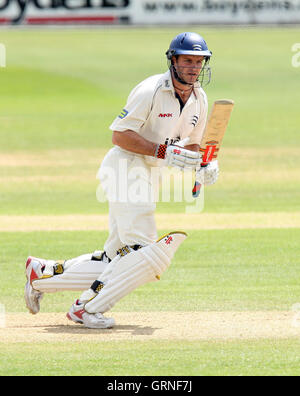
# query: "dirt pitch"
{"type": "Point", "coordinates": [144, 326]}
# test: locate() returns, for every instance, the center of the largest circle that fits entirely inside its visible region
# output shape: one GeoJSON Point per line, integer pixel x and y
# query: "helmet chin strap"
{"type": "Point", "coordinates": [173, 68]}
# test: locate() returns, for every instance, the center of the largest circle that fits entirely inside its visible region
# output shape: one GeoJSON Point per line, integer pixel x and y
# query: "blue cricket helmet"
{"type": "Point", "coordinates": [188, 44]}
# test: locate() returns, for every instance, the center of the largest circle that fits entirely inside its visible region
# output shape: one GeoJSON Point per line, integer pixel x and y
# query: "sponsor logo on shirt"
{"type": "Point", "coordinates": [165, 115]}
{"type": "Point", "coordinates": [123, 114]}
{"type": "Point", "coordinates": [170, 141]}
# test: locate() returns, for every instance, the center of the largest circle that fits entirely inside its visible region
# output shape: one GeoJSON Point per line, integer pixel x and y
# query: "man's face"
{"type": "Point", "coordinates": [188, 67]}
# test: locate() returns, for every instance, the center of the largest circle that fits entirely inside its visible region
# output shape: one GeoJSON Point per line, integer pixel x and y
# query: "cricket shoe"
{"type": "Point", "coordinates": [78, 314]}
{"type": "Point", "coordinates": [33, 297]}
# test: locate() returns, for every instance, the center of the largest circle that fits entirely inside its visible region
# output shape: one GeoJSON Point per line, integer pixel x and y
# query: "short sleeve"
{"type": "Point", "coordinates": [136, 111]}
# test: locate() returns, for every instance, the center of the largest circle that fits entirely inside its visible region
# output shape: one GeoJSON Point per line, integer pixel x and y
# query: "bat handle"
{"type": "Point", "coordinates": [197, 186]}
{"type": "Point", "coordinates": [196, 190]}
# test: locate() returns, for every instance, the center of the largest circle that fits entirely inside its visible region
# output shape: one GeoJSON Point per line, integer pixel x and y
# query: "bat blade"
{"type": "Point", "coordinates": [213, 135]}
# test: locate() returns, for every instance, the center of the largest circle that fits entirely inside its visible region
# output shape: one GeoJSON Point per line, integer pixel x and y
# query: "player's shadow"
{"type": "Point", "coordinates": [131, 330]}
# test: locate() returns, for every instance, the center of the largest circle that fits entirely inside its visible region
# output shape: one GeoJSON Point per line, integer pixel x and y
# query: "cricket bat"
{"type": "Point", "coordinates": [213, 135]}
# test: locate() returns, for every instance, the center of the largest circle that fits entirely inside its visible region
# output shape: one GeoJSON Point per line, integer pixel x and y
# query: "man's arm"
{"type": "Point", "coordinates": [132, 141]}
{"type": "Point", "coordinates": [193, 147]}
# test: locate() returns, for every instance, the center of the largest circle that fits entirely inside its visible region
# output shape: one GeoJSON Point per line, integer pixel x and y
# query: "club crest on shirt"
{"type": "Point", "coordinates": [195, 120]}
{"type": "Point", "coordinates": [123, 114]}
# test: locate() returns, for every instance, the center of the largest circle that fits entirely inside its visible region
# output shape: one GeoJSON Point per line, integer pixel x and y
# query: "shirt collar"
{"type": "Point", "coordinates": [167, 84]}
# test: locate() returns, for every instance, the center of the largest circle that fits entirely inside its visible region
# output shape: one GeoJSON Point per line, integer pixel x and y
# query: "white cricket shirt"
{"type": "Point", "coordinates": [153, 111]}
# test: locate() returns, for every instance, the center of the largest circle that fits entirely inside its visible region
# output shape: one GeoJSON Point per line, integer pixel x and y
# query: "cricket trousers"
{"type": "Point", "coordinates": [128, 184]}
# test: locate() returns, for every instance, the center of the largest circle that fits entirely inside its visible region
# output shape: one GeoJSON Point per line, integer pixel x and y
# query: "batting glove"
{"type": "Point", "coordinates": [178, 156]}
{"type": "Point", "coordinates": [209, 174]}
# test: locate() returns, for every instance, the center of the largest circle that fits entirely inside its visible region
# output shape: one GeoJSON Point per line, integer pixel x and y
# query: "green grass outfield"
{"type": "Point", "coordinates": [215, 270]}
{"type": "Point", "coordinates": [155, 358]}
{"type": "Point", "coordinates": [59, 93]}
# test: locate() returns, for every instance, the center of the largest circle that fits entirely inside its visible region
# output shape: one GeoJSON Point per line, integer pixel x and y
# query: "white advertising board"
{"type": "Point", "coordinates": [216, 11]}
{"type": "Point", "coordinates": [147, 12]}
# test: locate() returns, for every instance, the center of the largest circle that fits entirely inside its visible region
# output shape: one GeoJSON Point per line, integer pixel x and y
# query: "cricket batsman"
{"type": "Point", "coordinates": [161, 125]}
